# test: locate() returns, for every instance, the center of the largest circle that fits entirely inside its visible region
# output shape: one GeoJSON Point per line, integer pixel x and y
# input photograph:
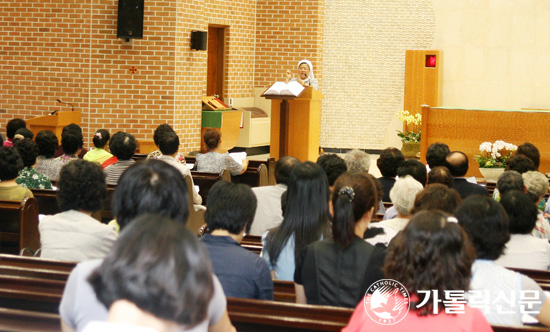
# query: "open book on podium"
{"type": "Point", "coordinates": [282, 89]}
{"type": "Point", "coordinates": [295, 122]}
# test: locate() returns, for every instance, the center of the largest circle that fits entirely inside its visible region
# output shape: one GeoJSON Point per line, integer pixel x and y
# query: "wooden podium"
{"type": "Point", "coordinates": [296, 125]}
{"type": "Point", "coordinates": [54, 122]}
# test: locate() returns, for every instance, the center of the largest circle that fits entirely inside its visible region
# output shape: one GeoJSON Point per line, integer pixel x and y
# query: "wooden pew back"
{"type": "Point", "coordinates": [206, 180]}
{"type": "Point", "coordinates": [36, 263]}
{"type": "Point", "coordinates": [19, 226]}
{"type": "Point", "coordinates": [24, 320]}
{"type": "Point", "coordinates": [196, 218]}
{"type": "Point", "coordinates": [47, 201]}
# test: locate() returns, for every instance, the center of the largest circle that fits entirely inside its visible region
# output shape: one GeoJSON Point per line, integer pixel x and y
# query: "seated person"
{"type": "Point", "coordinates": [437, 197]}
{"type": "Point", "coordinates": [157, 275]}
{"type": "Point", "coordinates": [76, 130]}
{"type": "Point", "coordinates": [45, 162]}
{"type": "Point", "coordinates": [337, 271]}
{"type": "Point", "coordinates": [436, 155]}
{"type": "Point", "coordinates": [421, 264]}
{"type": "Point", "coordinates": [520, 163]}
{"type": "Point", "coordinates": [23, 133]}
{"type": "Point", "coordinates": [99, 155]}
{"type": "Point", "coordinates": [29, 176]}
{"type": "Point", "coordinates": [523, 250]}
{"type": "Point", "coordinates": [215, 162]}
{"type": "Point", "coordinates": [169, 144]}
{"type": "Point", "coordinates": [123, 147]}
{"type": "Point", "coordinates": [388, 163]}
{"type": "Point", "coordinates": [333, 165]}
{"type": "Point", "coordinates": [73, 235]}
{"type": "Point", "coordinates": [11, 128]}
{"type": "Point", "coordinates": [268, 213]}
{"type": "Point", "coordinates": [151, 186]}
{"type": "Point", "coordinates": [411, 167]}
{"type": "Point", "coordinates": [71, 142]}
{"type": "Point", "coordinates": [242, 273]}
{"type": "Point", "coordinates": [530, 151]}
{"type": "Point", "coordinates": [442, 175]}
{"type": "Point", "coordinates": [161, 129]}
{"type": "Point", "coordinates": [457, 163]}
{"type": "Point", "coordinates": [536, 186]}
{"type": "Point", "coordinates": [487, 225]}
{"type": "Point", "coordinates": [10, 165]}
{"type": "Point", "coordinates": [402, 195]}
{"type": "Point", "coordinates": [357, 161]}
{"type": "Point", "coordinates": [305, 220]}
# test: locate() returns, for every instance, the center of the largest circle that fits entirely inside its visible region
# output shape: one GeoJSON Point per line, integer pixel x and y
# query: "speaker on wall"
{"type": "Point", "coordinates": [199, 40]}
{"type": "Point", "coordinates": [130, 19]}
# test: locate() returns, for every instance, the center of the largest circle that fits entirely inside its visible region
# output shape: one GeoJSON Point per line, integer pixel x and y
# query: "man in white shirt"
{"type": "Point", "coordinates": [169, 143]}
{"type": "Point", "coordinates": [269, 213]}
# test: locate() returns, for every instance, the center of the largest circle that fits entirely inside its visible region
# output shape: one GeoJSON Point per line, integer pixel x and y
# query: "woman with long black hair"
{"type": "Point", "coordinates": [337, 271]}
{"type": "Point", "coordinates": [306, 219]}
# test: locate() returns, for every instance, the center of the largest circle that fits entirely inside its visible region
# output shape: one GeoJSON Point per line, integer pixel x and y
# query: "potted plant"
{"type": "Point", "coordinates": [410, 136]}
{"type": "Point", "coordinates": [493, 158]}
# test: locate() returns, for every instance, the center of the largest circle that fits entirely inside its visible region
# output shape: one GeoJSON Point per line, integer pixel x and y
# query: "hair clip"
{"type": "Point", "coordinates": [452, 219]}
{"type": "Point", "coordinates": [348, 191]}
{"type": "Point", "coordinates": [98, 134]}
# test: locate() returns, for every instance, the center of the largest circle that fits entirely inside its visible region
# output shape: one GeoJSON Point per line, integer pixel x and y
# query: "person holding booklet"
{"type": "Point", "coordinates": [305, 75]}
{"type": "Point", "coordinates": [215, 162]}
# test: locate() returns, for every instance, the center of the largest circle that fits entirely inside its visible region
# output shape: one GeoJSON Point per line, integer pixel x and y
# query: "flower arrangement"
{"type": "Point", "coordinates": [409, 135]}
{"type": "Point", "coordinates": [495, 155]}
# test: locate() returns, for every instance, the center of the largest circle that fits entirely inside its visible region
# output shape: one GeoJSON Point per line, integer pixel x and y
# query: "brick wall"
{"type": "Point", "coordinates": [287, 32]}
{"type": "Point", "coordinates": [62, 49]}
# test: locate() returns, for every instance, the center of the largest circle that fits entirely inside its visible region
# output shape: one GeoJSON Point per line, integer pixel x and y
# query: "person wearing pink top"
{"type": "Point", "coordinates": [431, 256]}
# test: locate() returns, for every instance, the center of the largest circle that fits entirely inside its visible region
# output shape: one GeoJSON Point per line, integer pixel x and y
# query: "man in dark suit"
{"type": "Point", "coordinates": [457, 163]}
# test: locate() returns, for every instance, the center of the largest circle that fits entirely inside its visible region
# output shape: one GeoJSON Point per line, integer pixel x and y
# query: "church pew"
{"type": "Point", "coordinates": [257, 173]}
{"type": "Point", "coordinates": [541, 277]}
{"type": "Point", "coordinates": [269, 316]}
{"type": "Point", "coordinates": [28, 284]}
{"type": "Point", "coordinates": [106, 214]}
{"type": "Point", "coordinates": [196, 218]}
{"type": "Point", "coordinates": [31, 272]}
{"type": "Point", "coordinates": [36, 263]}
{"type": "Point", "coordinates": [19, 226]}
{"type": "Point", "coordinates": [252, 243]}
{"type": "Point", "coordinates": [284, 291]}
{"type": "Point", "coordinates": [206, 180]}
{"type": "Point", "coordinates": [47, 201]}
{"type": "Point", "coordinates": [17, 305]}
{"type": "Point", "coordinates": [45, 300]}
{"type": "Point", "coordinates": [30, 321]}
{"type": "Point", "coordinates": [254, 176]}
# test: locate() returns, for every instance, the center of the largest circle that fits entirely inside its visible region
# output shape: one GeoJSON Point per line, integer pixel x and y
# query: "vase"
{"type": "Point", "coordinates": [411, 149]}
{"type": "Point", "coordinates": [491, 174]}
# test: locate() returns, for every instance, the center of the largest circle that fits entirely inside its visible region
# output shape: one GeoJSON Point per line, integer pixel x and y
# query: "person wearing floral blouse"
{"type": "Point", "coordinates": [29, 176]}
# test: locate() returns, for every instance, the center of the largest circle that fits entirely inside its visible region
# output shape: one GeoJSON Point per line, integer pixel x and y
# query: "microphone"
{"type": "Point", "coordinates": [62, 102]}
{"type": "Point", "coordinates": [53, 113]}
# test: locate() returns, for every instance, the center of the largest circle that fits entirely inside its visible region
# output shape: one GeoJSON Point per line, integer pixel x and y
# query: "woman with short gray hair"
{"type": "Point", "coordinates": [402, 195]}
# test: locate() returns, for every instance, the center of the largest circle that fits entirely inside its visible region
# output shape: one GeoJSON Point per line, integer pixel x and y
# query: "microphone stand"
{"type": "Point", "coordinates": [62, 102]}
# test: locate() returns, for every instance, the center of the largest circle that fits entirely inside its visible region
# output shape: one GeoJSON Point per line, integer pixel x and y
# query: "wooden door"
{"type": "Point", "coordinates": [216, 70]}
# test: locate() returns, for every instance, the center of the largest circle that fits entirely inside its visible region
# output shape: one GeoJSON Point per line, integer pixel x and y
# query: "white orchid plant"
{"type": "Point", "coordinates": [409, 135]}
{"type": "Point", "coordinates": [495, 155]}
